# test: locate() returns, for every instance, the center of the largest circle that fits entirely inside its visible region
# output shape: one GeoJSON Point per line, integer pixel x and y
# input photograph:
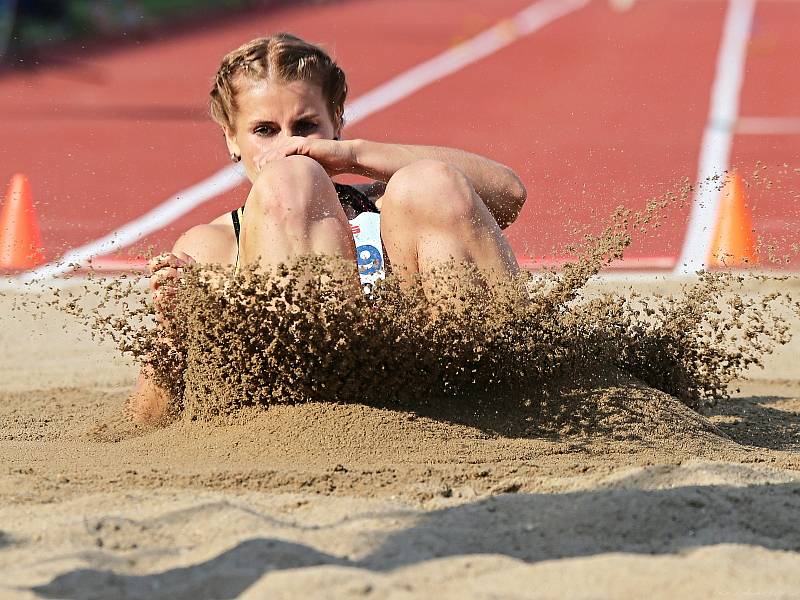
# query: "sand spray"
{"type": "Point", "coordinates": [296, 334]}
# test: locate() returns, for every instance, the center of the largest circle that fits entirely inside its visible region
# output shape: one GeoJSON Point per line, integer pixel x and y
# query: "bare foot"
{"type": "Point", "coordinates": [148, 404]}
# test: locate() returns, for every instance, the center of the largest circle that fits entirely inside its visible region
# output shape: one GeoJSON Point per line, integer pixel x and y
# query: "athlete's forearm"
{"type": "Point", "coordinates": [497, 185]}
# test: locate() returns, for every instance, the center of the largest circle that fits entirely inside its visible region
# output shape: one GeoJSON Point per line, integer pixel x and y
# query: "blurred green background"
{"type": "Point", "coordinates": [26, 25]}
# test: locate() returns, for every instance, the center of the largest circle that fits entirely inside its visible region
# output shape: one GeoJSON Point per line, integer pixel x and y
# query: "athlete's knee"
{"type": "Point", "coordinates": [291, 175]}
{"type": "Point", "coordinates": [290, 190]}
{"type": "Point", "coordinates": [430, 191]}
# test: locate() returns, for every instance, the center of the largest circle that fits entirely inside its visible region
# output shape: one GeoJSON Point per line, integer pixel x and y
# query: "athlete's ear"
{"type": "Point", "coordinates": [230, 141]}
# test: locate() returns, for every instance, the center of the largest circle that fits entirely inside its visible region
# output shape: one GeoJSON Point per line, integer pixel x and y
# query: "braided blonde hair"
{"type": "Point", "coordinates": [283, 57]}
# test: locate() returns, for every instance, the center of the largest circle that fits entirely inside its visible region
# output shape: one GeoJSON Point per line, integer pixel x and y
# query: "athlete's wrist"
{"type": "Point", "coordinates": [356, 153]}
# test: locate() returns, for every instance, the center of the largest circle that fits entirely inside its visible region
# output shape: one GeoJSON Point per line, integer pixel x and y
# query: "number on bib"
{"type": "Point", "coordinates": [369, 259]}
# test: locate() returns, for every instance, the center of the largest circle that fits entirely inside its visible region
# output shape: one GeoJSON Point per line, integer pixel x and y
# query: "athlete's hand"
{"type": "Point", "coordinates": [166, 271]}
{"type": "Point", "coordinates": [335, 156]}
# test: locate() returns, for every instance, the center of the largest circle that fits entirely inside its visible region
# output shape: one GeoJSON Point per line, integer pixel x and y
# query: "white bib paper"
{"type": "Point", "coordinates": [366, 229]}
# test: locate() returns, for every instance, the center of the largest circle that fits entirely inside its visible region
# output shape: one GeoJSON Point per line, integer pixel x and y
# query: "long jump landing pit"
{"type": "Point", "coordinates": [627, 490]}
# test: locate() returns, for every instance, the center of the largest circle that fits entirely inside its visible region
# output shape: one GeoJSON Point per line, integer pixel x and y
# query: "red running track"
{"type": "Point", "coordinates": [597, 109]}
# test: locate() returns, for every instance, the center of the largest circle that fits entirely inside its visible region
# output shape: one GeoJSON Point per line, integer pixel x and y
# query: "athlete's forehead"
{"type": "Point", "coordinates": [269, 100]}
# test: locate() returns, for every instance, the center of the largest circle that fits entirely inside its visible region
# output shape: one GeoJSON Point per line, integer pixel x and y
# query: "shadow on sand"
{"type": "Point", "coordinates": [753, 422]}
{"type": "Point", "coordinates": [610, 404]}
{"type": "Point", "coordinates": [528, 527]}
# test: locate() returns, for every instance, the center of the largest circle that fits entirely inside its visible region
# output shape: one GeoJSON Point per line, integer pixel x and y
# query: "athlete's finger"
{"type": "Point", "coordinates": [167, 259]}
{"type": "Point", "coordinates": [266, 158]}
{"type": "Point", "coordinates": [155, 263]}
{"type": "Point", "coordinates": [188, 260]}
{"type": "Point", "coordinates": [163, 300]}
{"type": "Point", "coordinates": [170, 259]}
{"type": "Point", "coordinates": [165, 275]}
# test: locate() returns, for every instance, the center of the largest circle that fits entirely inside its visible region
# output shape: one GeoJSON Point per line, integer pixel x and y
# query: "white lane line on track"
{"type": "Point", "coordinates": [153, 220]}
{"type": "Point", "coordinates": [527, 21]}
{"type": "Point", "coordinates": [448, 62]}
{"type": "Point", "coordinates": [718, 135]}
{"type": "Point", "coordinates": [768, 126]}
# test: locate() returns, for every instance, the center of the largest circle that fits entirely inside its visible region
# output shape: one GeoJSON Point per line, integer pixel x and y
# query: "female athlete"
{"type": "Point", "coordinates": [280, 103]}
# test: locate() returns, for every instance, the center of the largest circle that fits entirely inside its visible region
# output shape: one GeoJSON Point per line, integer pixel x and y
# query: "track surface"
{"type": "Point", "coordinates": [597, 109]}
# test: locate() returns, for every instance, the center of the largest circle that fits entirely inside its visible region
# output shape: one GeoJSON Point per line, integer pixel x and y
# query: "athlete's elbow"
{"type": "Point", "coordinates": [516, 195]}
{"type": "Point", "coordinates": [517, 190]}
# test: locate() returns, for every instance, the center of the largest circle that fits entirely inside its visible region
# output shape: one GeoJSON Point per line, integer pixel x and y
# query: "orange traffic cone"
{"type": "Point", "coordinates": [734, 243]}
{"type": "Point", "coordinates": [20, 240]}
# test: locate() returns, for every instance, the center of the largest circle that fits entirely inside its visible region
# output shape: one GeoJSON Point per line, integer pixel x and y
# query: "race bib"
{"type": "Point", "coordinates": [366, 229]}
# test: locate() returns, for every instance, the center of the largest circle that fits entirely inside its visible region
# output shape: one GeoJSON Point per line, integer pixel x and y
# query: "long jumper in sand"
{"type": "Point", "coordinates": [280, 103]}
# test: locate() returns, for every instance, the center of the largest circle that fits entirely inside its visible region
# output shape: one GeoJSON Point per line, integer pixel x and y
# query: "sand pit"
{"type": "Point", "coordinates": [622, 489]}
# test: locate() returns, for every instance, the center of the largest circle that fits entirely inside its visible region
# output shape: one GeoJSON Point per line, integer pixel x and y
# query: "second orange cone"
{"type": "Point", "coordinates": [20, 239]}
{"type": "Point", "coordinates": [734, 243]}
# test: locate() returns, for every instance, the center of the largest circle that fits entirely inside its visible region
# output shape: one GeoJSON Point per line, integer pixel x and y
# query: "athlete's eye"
{"type": "Point", "coordinates": [304, 127]}
{"type": "Point", "coordinates": [265, 130]}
